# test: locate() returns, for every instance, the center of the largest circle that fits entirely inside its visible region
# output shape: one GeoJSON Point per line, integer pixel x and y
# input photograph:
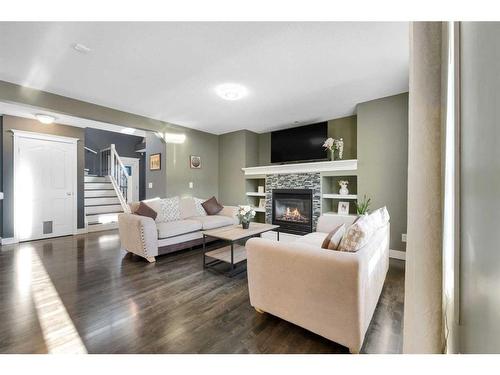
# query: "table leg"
{"type": "Point", "coordinates": [204, 246]}
{"type": "Point", "coordinates": [232, 256]}
{"type": "Point", "coordinates": [278, 233]}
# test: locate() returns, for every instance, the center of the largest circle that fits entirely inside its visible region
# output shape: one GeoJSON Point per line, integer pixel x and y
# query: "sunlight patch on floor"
{"type": "Point", "coordinates": [58, 330]}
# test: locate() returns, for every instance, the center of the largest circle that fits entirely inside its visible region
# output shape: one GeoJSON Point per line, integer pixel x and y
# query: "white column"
{"type": "Point", "coordinates": [423, 282]}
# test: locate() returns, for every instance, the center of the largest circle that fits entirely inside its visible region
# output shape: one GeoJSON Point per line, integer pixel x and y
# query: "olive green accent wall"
{"type": "Point", "coordinates": [383, 159]}
{"type": "Point", "coordinates": [345, 128]}
{"type": "Point", "coordinates": [156, 145]}
{"type": "Point", "coordinates": [236, 150]}
{"type": "Point", "coordinates": [179, 174]}
{"type": "Point", "coordinates": [19, 123]}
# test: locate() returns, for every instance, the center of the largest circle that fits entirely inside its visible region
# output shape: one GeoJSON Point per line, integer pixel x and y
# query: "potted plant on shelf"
{"type": "Point", "coordinates": [245, 214]}
{"type": "Point", "coordinates": [362, 206]}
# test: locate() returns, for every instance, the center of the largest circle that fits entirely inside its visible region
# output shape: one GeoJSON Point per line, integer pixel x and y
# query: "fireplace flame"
{"type": "Point", "coordinates": [293, 215]}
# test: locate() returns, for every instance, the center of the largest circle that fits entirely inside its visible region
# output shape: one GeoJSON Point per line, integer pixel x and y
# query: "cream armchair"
{"type": "Point", "coordinates": [328, 292]}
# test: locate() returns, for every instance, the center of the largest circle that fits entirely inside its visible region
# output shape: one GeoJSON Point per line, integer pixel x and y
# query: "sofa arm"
{"type": "Point", "coordinates": [230, 211]}
{"type": "Point", "coordinates": [314, 288]}
{"type": "Point", "coordinates": [138, 235]}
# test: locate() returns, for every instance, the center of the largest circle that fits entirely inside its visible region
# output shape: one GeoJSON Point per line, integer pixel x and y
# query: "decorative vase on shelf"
{"type": "Point", "coordinates": [343, 187]}
{"type": "Point", "coordinates": [245, 224]}
{"type": "Point", "coordinates": [332, 152]}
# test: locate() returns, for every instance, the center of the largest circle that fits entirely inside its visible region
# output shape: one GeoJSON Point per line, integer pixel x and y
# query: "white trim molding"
{"type": "Point", "coordinates": [9, 241]}
{"type": "Point", "coordinates": [44, 136]}
{"type": "Point", "coordinates": [397, 254]}
{"type": "Point", "coordinates": [320, 166]}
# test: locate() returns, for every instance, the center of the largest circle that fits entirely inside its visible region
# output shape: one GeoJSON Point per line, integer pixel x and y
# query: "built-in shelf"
{"type": "Point", "coordinates": [340, 196]}
{"type": "Point", "coordinates": [344, 166]}
{"type": "Point", "coordinates": [255, 194]}
{"type": "Point", "coordinates": [259, 209]}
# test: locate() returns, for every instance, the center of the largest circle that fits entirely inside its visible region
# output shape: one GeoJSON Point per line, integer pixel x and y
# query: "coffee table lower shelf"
{"type": "Point", "coordinates": [223, 255]}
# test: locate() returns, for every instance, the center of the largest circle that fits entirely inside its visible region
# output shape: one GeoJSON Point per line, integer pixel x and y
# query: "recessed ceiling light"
{"type": "Point", "coordinates": [45, 119]}
{"type": "Point", "coordinates": [82, 48]}
{"type": "Point", "coordinates": [231, 91]}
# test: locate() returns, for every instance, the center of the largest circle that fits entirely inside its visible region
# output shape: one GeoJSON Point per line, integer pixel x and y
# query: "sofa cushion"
{"type": "Point", "coordinates": [199, 208]}
{"type": "Point", "coordinates": [332, 240]}
{"type": "Point", "coordinates": [213, 221]}
{"type": "Point", "coordinates": [212, 207]}
{"type": "Point", "coordinates": [145, 210]}
{"type": "Point", "coordinates": [315, 238]}
{"type": "Point", "coordinates": [176, 228]}
{"type": "Point", "coordinates": [362, 230]}
{"type": "Point", "coordinates": [168, 209]}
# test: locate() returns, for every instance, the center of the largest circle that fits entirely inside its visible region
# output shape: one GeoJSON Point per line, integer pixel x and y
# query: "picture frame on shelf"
{"type": "Point", "coordinates": [343, 208]}
{"type": "Point", "coordinates": [260, 189]}
{"type": "Point", "coordinates": [262, 203]}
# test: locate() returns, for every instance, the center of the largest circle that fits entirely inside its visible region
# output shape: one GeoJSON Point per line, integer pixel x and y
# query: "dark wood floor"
{"type": "Point", "coordinates": [83, 293]}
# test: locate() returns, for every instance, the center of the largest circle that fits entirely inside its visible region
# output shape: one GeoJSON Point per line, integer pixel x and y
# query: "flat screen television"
{"type": "Point", "coordinates": [299, 144]}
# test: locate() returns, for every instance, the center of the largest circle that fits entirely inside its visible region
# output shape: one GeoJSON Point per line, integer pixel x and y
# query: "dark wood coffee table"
{"type": "Point", "coordinates": [231, 252]}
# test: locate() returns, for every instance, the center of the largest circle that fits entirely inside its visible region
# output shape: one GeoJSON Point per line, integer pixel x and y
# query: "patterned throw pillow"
{"type": "Point", "coordinates": [333, 239]}
{"type": "Point", "coordinates": [361, 231]}
{"type": "Point", "coordinates": [199, 208]}
{"type": "Point", "coordinates": [169, 210]}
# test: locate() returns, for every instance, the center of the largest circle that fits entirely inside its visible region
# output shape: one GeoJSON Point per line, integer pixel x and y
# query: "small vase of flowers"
{"type": "Point", "coordinates": [333, 144]}
{"type": "Point", "coordinates": [245, 214]}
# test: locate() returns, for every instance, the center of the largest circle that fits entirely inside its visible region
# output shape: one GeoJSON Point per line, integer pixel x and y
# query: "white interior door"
{"type": "Point", "coordinates": [132, 166]}
{"type": "Point", "coordinates": [45, 188]}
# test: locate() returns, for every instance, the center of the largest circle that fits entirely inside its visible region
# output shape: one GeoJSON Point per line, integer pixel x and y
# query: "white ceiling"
{"type": "Point", "coordinates": [303, 72]}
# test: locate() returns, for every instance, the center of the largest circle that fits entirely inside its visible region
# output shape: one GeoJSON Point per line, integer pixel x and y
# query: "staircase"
{"type": "Point", "coordinates": [108, 195]}
{"type": "Point", "coordinates": [102, 205]}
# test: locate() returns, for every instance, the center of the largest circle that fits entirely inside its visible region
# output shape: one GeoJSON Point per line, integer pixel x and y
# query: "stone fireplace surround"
{"type": "Point", "coordinates": [295, 181]}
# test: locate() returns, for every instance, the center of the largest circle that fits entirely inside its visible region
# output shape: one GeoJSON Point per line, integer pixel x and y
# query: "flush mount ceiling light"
{"type": "Point", "coordinates": [127, 131]}
{"type": "Point", "coordinates": [82, 48]}
{"type": "Point", "coordinates": [231, 91]}
{"type": "Point", "coordinates": [45, 119]}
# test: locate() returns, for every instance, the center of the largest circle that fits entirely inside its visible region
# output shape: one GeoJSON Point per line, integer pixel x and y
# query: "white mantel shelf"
{"type": "Point", "coordinates": [320, 166]}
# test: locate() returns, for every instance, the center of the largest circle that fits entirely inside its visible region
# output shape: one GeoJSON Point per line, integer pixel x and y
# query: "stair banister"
{"type": "Point", "coordinates": [120, 179]}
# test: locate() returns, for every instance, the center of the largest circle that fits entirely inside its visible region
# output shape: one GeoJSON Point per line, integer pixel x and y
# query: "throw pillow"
{"type": "Point", "coordinates": [333, 239]}
{"type": "Point", "coordinates": [211, 206]}
{"type": "Point", "coordinates": [168, 209]}
{"type": "Point", "coordinates": [145, 210]}
{"type": "Point", "coordinates": [363, 228]}
{"type": "Point", "coordinates": [199, 208]}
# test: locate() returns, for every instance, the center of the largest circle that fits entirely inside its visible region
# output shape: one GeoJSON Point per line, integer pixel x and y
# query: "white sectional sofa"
{"type": "Point", "coordinates": [331, 293]}
{"type": "Point", "coordinates": [149, 238]}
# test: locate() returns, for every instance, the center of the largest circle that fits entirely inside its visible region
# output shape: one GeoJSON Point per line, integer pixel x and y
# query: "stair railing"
{"type": "Point", "coordinates": [120, 179]}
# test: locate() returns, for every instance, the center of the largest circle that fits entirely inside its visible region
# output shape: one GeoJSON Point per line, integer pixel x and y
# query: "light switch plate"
{"type": "Point", "coordinates": [403, 237]}
{"type": "Point", "coordinates": [150, 185]}
{"type": "Point", "coordinates": [191, 185]}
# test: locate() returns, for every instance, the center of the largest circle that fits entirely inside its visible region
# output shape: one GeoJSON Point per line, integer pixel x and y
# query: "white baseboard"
{"type": "Point", "coordinates": [397, 254]}
{"type": "Point", "coordinates": [81, 231]}
{"type": "Point", "coordinates": [8, 241]}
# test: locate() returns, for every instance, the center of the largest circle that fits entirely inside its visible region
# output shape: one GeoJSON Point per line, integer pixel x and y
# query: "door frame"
{"type": "Point", "coordinates": [135, 162]}
{"type": "Point", "coordinates": [20, 134]}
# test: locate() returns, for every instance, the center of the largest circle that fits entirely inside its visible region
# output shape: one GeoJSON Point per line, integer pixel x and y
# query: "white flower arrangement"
{"type": "Point", "coordinates": [333, 144]}
{"type": "Point", "coordinates": [245, 213]}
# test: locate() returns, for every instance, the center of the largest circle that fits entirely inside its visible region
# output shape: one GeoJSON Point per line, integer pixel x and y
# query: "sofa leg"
{"type": "Point", "coordinates": [259, 310]}
{"type": "Point", "coordinates": [151, 259]}
{"type": "Point", "coordinates": [353, 351]}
